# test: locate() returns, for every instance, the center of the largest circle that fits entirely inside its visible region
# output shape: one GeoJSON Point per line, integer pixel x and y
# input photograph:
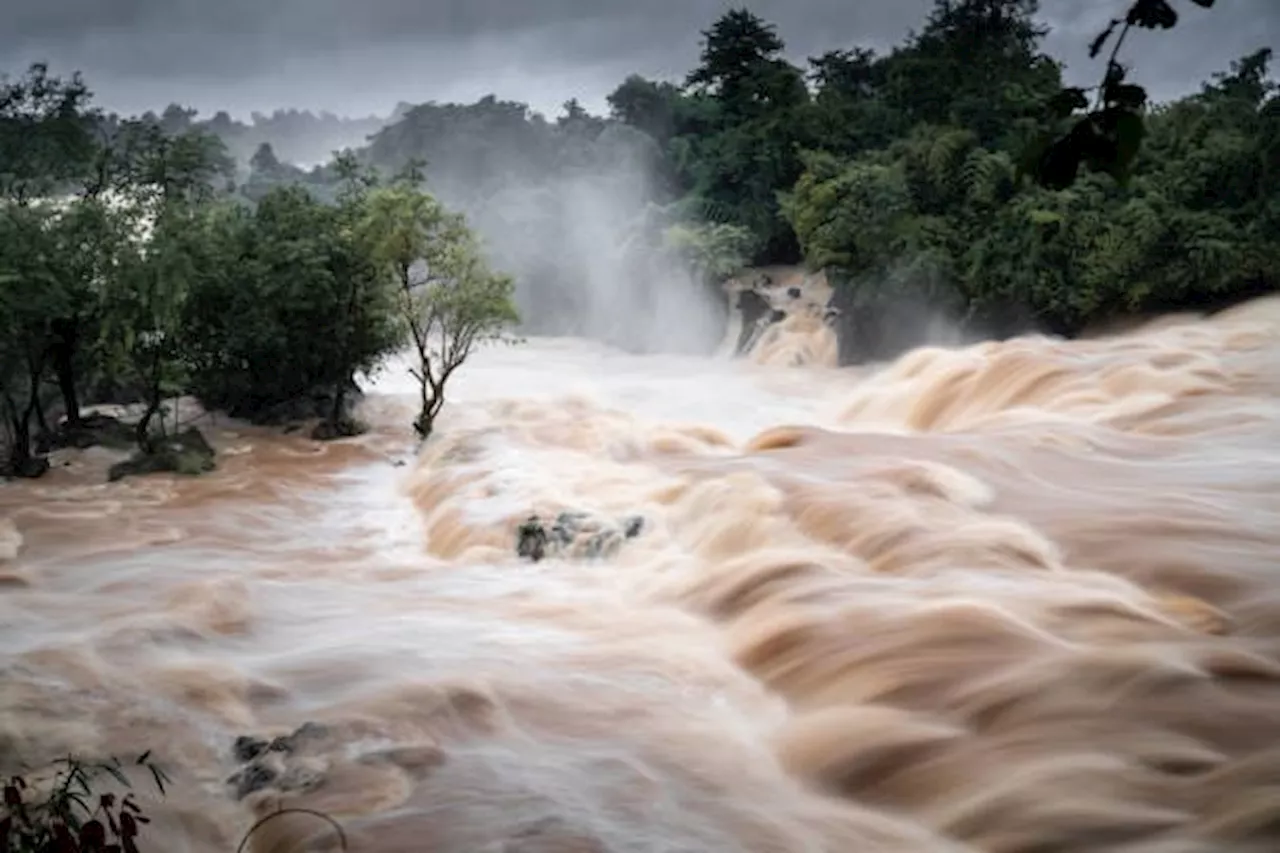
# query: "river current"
{"type": "Point", "coordinates": [1018, 597]}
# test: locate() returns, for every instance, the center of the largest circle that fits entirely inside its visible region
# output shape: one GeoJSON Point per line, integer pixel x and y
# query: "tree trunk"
{"type": "Point", "coordinates": [339, 406]}
{"type": "Point", "coordinates": [155, 398]}
{"type": "Point", "coordinates": [63, 354]}
{"type": "Point", "coordinates": [20, 458]}
{"type": "Point", "coordinates": [41, 420]}
{"type": "Point", "coordinates": [65, 370]}
{"type": "Point", "coordinates": [22, 462]}
{"type": "Point", "coordinates": [142, 432]}
{"type": "Point", "coordinates": [424, 424]}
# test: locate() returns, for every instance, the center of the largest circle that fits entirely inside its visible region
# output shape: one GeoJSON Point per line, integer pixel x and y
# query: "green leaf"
{"type": "Point", "coordinates": [116, 774]}
{"type": "Point", "coordinates": [1152, 14]}
{"type": "Point", "coordinates": [1096, 46]}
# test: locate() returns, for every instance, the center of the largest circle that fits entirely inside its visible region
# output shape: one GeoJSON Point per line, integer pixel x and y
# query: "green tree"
{"type": "Point", "coordinates": [742, 67]}
{"type": "Point", "coordinates": [650, 106]}
{"type": "Point", "coordinates": [286, 310]}
{"type": "Point", "coordinates": [989, 54]}
{"type": "Point", "coordinates": [47, 138]}
{"type": "Point", "coordinates": [144, 312]}
{"type": "Point", "coordinates": [29, 300]}
{"type": "Point", "coordinates": [449, 300]}
{"type": "Point", "coordinates": [86, 236]}
{"type": "Point", "coordinates": [715, 251]}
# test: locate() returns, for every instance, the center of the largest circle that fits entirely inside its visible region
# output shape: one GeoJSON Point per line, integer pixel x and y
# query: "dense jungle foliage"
{"type": "Point", "coordinates": [954, 173]}
{"type": "Point", "coordinates": [132, 270]}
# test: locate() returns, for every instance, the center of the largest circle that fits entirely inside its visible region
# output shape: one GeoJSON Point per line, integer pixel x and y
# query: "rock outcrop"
{"type": "Point", "coordinates": [283, 763]}
{"type": "Point", "coordinates": [187, 453]}
{"type": "Point", "coordinates": [575, 535]}
{"type": "Point", "coordinates": [92, 430]}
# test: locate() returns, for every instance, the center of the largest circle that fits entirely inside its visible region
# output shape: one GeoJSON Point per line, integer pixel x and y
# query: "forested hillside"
{"type": "Point", "coordinates": [899, 173]}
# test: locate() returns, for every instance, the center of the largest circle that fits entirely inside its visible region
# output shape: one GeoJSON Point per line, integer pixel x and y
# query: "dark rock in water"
{"type": "Point", "coordinates": [31, 468]}
{"type": "Point", "coordinates": [794, 292]}
{"type": "Point", "coordinates": [345, 427]}
{"type": "Point", "coordinates": [187, 453]}
{"type": "Point", "coordinates": [248, 748]}
{"type": "Point", "coordinates": [305, 733]}
{"type": "Point", "coordinates": [531, 539]}
{"type": "Point", "coordinates": [252, 779]}
{"type": "Point", "coordinates": [575, 534]}
{"type": "Point", "coordinates": [757, 315]}
{"type": "Point", "coordinates": [93, 430]}
{"type": "Point", "coordinates": [567, 527]}
{"type": "Point", "coordinates": [317, 403]}
{"type": "Point", "coordinates": [277, 763]}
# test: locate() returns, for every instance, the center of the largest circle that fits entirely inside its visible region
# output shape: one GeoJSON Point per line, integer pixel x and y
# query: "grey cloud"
{"type": "Point", "coordinates": [360, 56]}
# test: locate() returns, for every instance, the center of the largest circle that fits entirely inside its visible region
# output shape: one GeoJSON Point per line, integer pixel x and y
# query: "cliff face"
{"type": "Point", "coordinates": [871, 322]}
{"type": "Point", "coordinates": [764, 296]}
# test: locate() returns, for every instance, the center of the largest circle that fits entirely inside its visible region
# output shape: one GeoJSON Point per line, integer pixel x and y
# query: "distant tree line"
{"type": "Point", "coordinates": [955, 171]}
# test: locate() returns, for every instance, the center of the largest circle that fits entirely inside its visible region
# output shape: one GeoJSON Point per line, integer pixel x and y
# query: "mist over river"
{"type": "Point", "coordinates": [1016, 596]}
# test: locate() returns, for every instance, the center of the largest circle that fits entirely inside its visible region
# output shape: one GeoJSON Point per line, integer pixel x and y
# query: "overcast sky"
{"type": "Point", "coordinates": [359, 57]}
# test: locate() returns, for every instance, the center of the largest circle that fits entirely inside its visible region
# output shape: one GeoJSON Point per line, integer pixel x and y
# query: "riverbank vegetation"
{"type": "Point", "coordinates": [131, 271]}
{"type": "Point", "coordinates": [953, 174]}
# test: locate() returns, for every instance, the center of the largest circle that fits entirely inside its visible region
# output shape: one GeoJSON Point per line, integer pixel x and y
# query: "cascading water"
{"type": "Point", "coordinates": [1016, 596]}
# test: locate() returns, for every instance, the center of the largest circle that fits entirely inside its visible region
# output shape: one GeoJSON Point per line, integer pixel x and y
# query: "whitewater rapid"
{"type": "Point", "coordinates": [1010, 597]}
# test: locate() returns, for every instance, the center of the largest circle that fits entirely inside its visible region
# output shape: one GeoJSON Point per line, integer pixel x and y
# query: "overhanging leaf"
{"type": "Point", "coordinates": [1098, 43]}
{"type": "Point", "coordinates": [1152, 14]}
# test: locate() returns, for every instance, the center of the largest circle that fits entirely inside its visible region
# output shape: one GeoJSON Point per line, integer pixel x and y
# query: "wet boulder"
{"type": "Point", "coordinates": [758, 314]}
{"type": "Point", "coordinates": [532, 539]}
{"type": "Point", "coordinates": [92, 430]}
{"type": "Point", "coordinates": [188, 453]}
{"type": "Point", "coordinates": [575, 535]}
{"type": "Point", "coordinates": [281, 763]}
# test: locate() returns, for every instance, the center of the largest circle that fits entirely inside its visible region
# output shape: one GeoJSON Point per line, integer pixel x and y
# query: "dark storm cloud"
{"type": "Point", "coordinates": [358, 56]}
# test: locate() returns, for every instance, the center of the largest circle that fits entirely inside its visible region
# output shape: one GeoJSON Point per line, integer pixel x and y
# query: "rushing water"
{"type": "Point", "coordinates": [1010, 597]}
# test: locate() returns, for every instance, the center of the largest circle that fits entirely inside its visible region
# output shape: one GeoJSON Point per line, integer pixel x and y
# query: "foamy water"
{"type": "Point", "coordinates": [1010, 597]}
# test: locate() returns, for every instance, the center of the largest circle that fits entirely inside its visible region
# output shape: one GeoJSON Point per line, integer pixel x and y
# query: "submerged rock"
{"type": "Point", "coordinates": [30, 468]}
{"type": "Point", "coordinates": [248, 748]}
{"type": "Point", "coordinates": [251, 779]}
{"type": "Point", "coordinates": [532, 539]}
{"type": "Point", "coordinates": [187, 453]}
{"type": "Point", "coordinates": [277, 763]}
{"type": "Point", "coordinates": [575, 535]}
{"type": "Point", "coordinates": [305, 734]}
{"type": "Point", "coordinates": [344, 427]}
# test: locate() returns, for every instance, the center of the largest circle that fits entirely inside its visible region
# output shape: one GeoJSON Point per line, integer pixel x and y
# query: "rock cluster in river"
{"type": "Point", "coordinates": [575, 535]}
{"type": "Point", "coordinates": [282, 763]}
{"type": "Point", "coordinates": [188, 452]}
